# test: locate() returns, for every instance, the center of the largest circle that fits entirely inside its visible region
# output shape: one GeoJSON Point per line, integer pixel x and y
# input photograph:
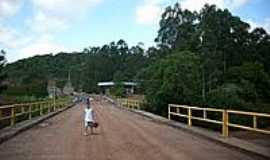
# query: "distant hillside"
{"type": "Point", "coordinates": [208, 58]}
{"type": "Point", "coordinates": [30, 76]}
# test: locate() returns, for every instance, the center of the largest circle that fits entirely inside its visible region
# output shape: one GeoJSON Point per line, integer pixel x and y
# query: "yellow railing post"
{"type": "Point", "coordinates": [30, 112]}
{"type": "Point", "coordinates": [204, 114]}
{"type": "Point", "coordinates": [22, 108]}
{"type": "Point", "coordinates": [177, 110]}
{"type": "Point", "coordinates": [127, 103]}
{"type": "Point", "coordinates": [44, 104]}
{"type": "Point", "coordinates": [40, 109]}
{"type": "Point", "coordinates": [254, 121]}
{"type": "Point", "coordinates": [189, 117]}
{"type": "Point", "coordinates": [49, 107]}
{"type": "Point", "coordinates": [12, 119]}
{"type": "Point", "coordinates": [54, 108]}
{"type": "Point", "coordinates": [225, 127]}
{"type": "Point", "coordinates": [169, 112]}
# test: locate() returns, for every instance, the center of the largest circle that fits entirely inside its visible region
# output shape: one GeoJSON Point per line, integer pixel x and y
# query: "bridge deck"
{"type": "Point", "coordinates": [121, 136]}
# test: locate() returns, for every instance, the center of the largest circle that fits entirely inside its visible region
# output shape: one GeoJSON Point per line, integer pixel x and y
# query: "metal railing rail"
{"type": "Point", "coordinates": [130, 103]}
{"type": "Point", "coordinates": [177, 110]}
{"type": "Point", "coordinates": [12, 112]}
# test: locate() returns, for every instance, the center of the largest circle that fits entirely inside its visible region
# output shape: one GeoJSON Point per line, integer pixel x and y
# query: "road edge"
{"type": "Point", "coordinates": [231, 142]}
{"type": "Point", "coordinates": [10, 132]}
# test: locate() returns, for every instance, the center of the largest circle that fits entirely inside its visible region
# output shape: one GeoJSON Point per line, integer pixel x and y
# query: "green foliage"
{"type": "Point", "coordinates": [208, 58]}
{"type": "Point", "coordinates": [233, 62]}
{"type": "Point", "coordinates": [118, 90]}
{"type": "Point", "coordinates": [3, 76]}
{"type": "Point", "coordinates": [173, 79]}
{"type": "Point", "coordinates": [254, 82]}
{"type": "Point", "coordinates": [225, 97]}
{"type": "Point", "coordinates": [30, 76]}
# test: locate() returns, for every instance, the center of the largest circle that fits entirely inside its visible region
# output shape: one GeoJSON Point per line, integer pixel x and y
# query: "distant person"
{"type": "Point", "coordinates": [89, 118]}
{"type": "Point", "coordinates": [88, 101]}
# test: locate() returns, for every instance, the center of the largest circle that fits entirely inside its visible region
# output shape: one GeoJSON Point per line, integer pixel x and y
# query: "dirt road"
{"type": "Point", "coordinates": [122, 135]}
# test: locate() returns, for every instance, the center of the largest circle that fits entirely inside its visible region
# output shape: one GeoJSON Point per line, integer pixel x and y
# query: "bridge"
{"type": "Point", "coordinates": [122, 135]}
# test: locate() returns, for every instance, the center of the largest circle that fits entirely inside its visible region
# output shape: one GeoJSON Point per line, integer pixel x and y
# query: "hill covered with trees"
{"type": "Point", "coordinates": [206, 58]}
{"type": "Point", "coordinates": [115, 60]}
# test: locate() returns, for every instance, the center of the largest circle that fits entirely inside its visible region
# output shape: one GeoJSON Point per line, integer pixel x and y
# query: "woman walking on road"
{"type": "Point", "coordinates": [89, 118]}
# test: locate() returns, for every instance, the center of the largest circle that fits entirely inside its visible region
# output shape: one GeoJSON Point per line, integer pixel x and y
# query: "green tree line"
{"type": "Point", "coordinates": [208, 58]}
{"type": "Point", "coordinates": [30, 76]}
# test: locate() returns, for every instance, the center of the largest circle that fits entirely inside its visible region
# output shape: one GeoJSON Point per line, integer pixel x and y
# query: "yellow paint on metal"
{"type": "Point", "coordinates": [225, 122]}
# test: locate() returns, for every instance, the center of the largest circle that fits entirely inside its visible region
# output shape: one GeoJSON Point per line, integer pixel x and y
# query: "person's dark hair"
{"type": "Point", "coordinates": [88, 103]}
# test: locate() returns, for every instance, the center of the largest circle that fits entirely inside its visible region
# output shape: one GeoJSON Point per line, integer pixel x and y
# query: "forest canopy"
{"type": "Point", "coordinates": [207, 58]}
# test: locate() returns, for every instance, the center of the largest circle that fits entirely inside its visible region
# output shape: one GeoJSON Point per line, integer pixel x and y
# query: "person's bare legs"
{"type": "Point", "coordinates": [92, 131]}
{"type": "Point", "coordinates": [86, 131]}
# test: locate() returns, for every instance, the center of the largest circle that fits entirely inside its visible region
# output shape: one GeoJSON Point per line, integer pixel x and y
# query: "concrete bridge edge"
{"type": "Point", "coordinates": [237, 144]}
{"type": "Point", "coordinates": [10, 132]}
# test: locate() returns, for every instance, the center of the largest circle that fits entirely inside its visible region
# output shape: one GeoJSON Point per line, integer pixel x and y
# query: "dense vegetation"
{"type": "Point", "coordinates": [210, 58]}
{"type": "Point", "coordinates": [113, 61]}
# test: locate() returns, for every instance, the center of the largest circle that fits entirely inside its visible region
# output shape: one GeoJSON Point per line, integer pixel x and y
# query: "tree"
{"type": "Point", "coordinates": [3, 76]}
{"type": "Point", "coordinates": [174, 79]}
{"type": "Point", "coordinates": [177, 29]}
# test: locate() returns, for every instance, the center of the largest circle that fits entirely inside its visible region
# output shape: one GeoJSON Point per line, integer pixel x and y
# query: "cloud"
{"type": "Point", "coordinates": [150, 11]}
{"type": "Point", "coordinates": [48, 18]}
{"type": "Point", "coordinates": [265, 24]}
{"type": "Point", "coordinates": [234, 4]}
{"type": "Point", "coordinates": [42, 23]}
{"type": "Point", "coordinates": [8, 8]}
{"type": "Point", "coordinates": [64, 7]}
{"type": "Point", "coordinates": [43, 45]}
{"type": "Point", "coordinates": [196, 5]}
{"type": "Point", "coordinates": [11, 39]}
{"type": "Point", "coordinates": [23, 45]}
{"type": "Point", "coordinates": [58, 15]}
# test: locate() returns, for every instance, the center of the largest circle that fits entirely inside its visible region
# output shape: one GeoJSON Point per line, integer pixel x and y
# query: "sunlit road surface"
{"type": "Point", "coordinates": [122, 135]}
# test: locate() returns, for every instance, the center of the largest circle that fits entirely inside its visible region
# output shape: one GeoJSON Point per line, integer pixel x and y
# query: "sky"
{"type": "Point", "coordinates": [31, 27]}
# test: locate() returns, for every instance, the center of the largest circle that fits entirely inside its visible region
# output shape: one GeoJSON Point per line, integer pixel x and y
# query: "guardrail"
{"type": "Point", "coordinates": [202, 115]}
{"type": "Point", "coordinates": [11, 114]}
{"type": "Point", "coordinates": [130, 103]}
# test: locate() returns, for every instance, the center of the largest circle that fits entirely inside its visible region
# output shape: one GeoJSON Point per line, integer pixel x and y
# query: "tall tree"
{"type": "Point", "coordinates": [2, 74]}
{"type": "Point", "coordinates": [177, 29]}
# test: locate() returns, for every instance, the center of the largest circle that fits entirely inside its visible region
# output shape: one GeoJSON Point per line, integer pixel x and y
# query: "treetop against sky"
{"type": "Point", "coordinates": [30, 27]}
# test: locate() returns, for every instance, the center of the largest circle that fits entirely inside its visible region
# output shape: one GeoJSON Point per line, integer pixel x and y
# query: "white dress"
{"type": "Point", "coordinates": [89, 116]}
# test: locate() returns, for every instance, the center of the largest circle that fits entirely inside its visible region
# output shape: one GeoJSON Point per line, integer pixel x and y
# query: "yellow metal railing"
{"type": "Point", "coordinates": [130, 103]}
{"type": "Point", "coordinates": [187, 112]}
{"type": "Point", "coordinates": [9, 114]}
